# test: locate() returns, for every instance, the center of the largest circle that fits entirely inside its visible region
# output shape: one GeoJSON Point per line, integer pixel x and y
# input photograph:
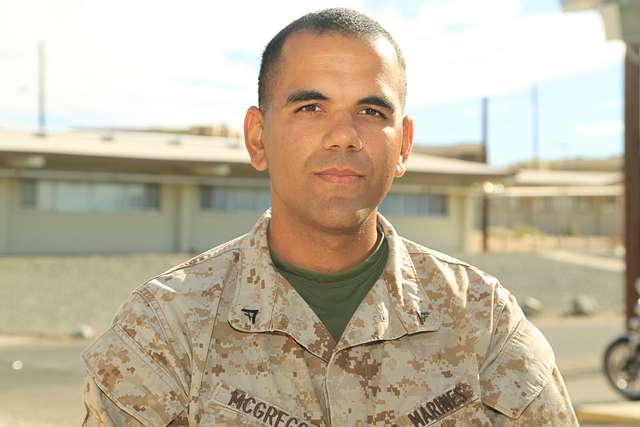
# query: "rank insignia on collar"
{"type": "Point", "coordinates": [251, 314]}
{"type": "Point", "coordinates": [422, 315]}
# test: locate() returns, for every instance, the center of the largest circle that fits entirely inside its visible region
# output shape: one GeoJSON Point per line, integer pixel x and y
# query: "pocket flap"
{"type": "Point", "coordinates": [132, 380]}
{"type": "Point", "coordinates": [519, 373]}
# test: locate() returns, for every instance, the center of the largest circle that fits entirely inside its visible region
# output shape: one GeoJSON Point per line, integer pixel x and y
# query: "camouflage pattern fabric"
{"type": "Point", "coordinates": [224, 340]}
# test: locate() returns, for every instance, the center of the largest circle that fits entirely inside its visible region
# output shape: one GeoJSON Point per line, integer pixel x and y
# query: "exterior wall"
{"type": "Point", "coordinates": [186, 203]}
{"type": "Point", "coordinates": [446, 234]}
{"type": "Point", "coordinates": [212, 228]}
{"type": "Point", "coordinates": [583, 215]}
{"type": "Point", "coordinates": [179, 226]}
{"type": "Point", "coordinates": [5, 215]}
{"type": "Point", "coordinates": [465, 221]}
{"type": "Point", "coordinates": [42, 232]}
{"type": "Point", "coordinates": [449, 233]}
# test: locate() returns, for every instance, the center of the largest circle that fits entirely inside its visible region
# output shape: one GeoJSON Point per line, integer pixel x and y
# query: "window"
{"type": "Point", "coordinates": [544, 204]}
{"type": "Point", "coordinates": [79, 196]}
{"type": "Point", "coordinates": [234, 199]}
{"type": "Point", "coordinates": [562, 203]}
{"type": "Point", "coordinates": [415, 204]}
{"type": "Point", "coordinates": [513, 202]}
{"type": "Point", "coordinates": [584, 204]}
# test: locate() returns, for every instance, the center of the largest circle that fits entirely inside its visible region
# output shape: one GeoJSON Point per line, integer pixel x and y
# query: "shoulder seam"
{"type": "Point", "coordinates": [500, 306]}
{"type": "Point", "coordinates": [200, 261]}
{"type": "Point", "coordinates": [149, 298]}
{"type": "Point", "coordinates": [439, 258]}
{"type": "Point", "coordinates": [161, 320]}
{"type": "Point", "coordinates": [433, 253]}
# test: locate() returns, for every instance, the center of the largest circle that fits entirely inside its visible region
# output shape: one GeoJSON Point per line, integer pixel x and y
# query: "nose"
{"type": "Point", "coordinates": [342, 135]}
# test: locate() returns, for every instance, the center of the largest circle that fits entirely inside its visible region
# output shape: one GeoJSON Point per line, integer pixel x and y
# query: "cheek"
{"type": "Point", "coordinates": [303, 139]}
{"type": "Point", "coordinates": [387, 149]}
{"type": "Point", "coordinates": [286, 154]}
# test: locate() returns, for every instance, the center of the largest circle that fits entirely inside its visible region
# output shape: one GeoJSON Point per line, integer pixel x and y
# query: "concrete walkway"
{"type": "Point", "coordinates": [619, 413]}
{"type": "Point", "coordinates": [592, 261]}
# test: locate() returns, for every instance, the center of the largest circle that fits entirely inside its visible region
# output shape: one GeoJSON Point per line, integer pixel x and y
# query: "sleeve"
{"type": "Point", "coordinates": [137, 374]}
{"type": "Point", "coordinates": [520, 381]}
{"type": "Point", "coordinates": [101, 411]}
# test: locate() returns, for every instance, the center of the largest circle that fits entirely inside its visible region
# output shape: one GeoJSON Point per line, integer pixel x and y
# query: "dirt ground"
{"type": "Point", "coordinates": [54, 296]}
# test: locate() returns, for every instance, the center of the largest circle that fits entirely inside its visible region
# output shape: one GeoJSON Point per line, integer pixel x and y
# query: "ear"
{"type": "Point", "coordinates": [253, 122]}
{"type": "Point", "coordinates": [407, 143]}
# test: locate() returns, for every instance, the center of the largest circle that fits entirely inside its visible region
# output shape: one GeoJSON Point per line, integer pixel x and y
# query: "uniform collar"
{"type": "Point", "coordinates": [265, 302]}
{"type": "Point", "coordinates": [397, 303]}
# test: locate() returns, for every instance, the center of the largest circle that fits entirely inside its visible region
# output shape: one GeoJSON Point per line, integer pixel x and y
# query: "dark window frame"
{"type": "Point", "coordinates": [30, 187]}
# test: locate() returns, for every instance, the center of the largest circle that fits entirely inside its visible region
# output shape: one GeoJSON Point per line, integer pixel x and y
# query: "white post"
{"type": "Point", "coordinates": [5, 212]}
{"type": "Point", "coordinates": [466, 222]}
{"type": "Point", "coordinates": [186, 202]}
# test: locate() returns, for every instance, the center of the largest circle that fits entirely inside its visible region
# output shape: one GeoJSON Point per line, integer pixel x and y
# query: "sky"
{"type": "Point", "coordinates": [179, 63]}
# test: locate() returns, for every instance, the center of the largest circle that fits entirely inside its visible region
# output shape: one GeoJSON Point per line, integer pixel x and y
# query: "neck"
{"type": "Point", "coordinates": [325, 251]}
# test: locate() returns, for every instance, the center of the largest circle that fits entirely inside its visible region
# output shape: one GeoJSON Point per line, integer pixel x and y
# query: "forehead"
{"type": "Point", "coordinates": [342, 62]}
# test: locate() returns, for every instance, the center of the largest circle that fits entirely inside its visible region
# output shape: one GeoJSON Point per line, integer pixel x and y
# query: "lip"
{"type": "Point", "coordinates": [340, 176]}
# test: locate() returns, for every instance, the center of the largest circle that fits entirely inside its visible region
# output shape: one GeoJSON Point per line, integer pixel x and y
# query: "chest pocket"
{"type": "Point", "coordinates": [230, 406]}
{"type": "Point", "coordinates": [459, 403]}
{"type": "Point", "coordinates": [448, 392]}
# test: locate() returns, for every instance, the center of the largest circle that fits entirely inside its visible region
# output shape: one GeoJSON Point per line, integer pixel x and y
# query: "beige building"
{"type": "Point", "coordinates": [87, 192]}
{"type": "Point", "coordinates": [463, 151]}
{"type": "Point", "coordinates": [561, 202]}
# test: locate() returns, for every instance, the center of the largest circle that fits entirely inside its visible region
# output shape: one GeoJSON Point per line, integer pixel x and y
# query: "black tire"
{"type": "Point", "coordinates": [614, 368]}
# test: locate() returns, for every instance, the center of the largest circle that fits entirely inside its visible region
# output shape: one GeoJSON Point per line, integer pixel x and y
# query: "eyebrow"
{"type": "Point", "coordinates": [306, 95]}
{"type": "Point", "coordinates": [380, 101]}
{"type": "Point", "coordinates": [314, 95]}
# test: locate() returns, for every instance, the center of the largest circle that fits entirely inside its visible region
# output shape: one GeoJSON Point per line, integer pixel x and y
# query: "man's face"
{"type": "Point", "coordinates": [333, 134]}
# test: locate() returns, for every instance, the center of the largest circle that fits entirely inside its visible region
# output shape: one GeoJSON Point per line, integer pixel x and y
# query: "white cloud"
{"type": "Point", "coordinates": [599, 129]}
{"type": "Point", "coordinates": [501, 53]}
{"type": "Point", "coordinates": [138, 62]}
{"type": "Point", "coordinates": [167, 62]}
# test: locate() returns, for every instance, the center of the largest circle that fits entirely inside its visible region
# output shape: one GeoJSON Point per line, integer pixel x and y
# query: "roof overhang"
{"type": "Point", "coordinates": [201, 155]}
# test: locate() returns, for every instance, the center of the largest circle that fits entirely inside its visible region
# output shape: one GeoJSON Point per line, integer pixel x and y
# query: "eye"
{"type": "Point", "coordinates": [372, 112]}
{"type": "Point", "coordinates": [309, 108]}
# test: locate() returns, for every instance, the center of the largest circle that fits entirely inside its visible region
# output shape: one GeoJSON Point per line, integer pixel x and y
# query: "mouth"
{"type": "Point", "coordinates": [340, 176]}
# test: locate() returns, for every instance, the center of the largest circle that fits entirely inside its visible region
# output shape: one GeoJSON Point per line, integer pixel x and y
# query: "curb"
{"type": "Point", "coordinates": [620, 412]}
{"type": "Point", "coordinates": [18, 340]}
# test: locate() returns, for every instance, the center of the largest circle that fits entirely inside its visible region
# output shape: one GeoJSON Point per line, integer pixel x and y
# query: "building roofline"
{"type": "Point", "coordinates": [196, 149]}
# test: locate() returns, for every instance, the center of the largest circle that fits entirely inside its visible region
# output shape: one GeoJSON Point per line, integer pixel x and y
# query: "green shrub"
{"type": "Point", "coordinates": [521, 230]}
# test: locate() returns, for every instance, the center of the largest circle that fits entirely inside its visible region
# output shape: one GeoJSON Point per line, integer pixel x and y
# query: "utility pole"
{"type": "Point", "coordinates": [42, 115]}
{"type": "Point", "coordinates": [632, 173]}
{"type": "Point", "coordinates": [485, 159]}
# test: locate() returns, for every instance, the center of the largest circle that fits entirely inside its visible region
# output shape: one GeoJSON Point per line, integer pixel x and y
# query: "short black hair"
{"type": "Point", "coordinates": [347, 22]}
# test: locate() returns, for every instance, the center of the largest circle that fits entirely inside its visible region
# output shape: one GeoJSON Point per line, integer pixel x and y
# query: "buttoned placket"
{"type": "Point", "coordinates": [345, 344]}
{"type": "Point", "coordinates": [262, 290]}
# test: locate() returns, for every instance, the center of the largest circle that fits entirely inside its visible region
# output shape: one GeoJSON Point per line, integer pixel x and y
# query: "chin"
{"type": "Point", "coordinates": [342, 219]}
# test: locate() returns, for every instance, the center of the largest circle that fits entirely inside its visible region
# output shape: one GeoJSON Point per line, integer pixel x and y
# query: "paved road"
{"type": "Point", "coordinates": [579, 345]}
{"type": "Point", "coordinates": [47, 390]}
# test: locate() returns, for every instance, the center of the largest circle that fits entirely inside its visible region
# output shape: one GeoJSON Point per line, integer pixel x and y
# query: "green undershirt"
{"type": "Point", "coordinates": [335, 297]}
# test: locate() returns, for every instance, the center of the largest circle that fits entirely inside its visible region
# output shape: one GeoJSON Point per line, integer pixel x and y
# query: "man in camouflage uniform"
{"type": "Point", "coordinates": [259, 330]}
